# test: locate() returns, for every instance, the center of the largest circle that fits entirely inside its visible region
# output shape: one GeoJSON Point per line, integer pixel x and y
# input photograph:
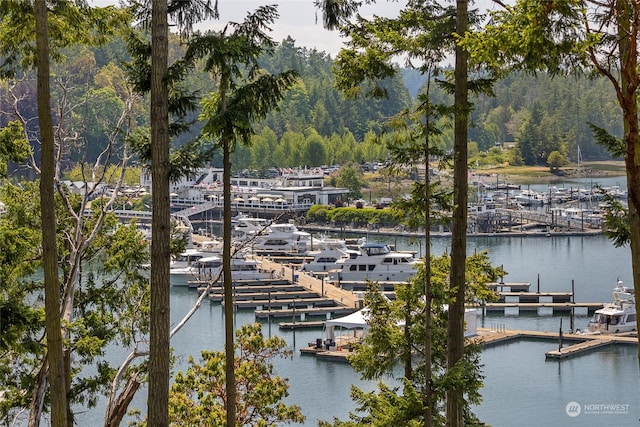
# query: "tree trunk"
{"type": "Point", "coordinates": [158, 398]}
{"type": "Point", "coordinates": [455, 348]}
{"type": "Point", "coordinates": [628, 99]}
{"type": "Point", "coordinates": [56, 371]}
{"type": "Point", "coordinates": [120, 406]}
{"type": "Point", "coordinates": [230, 380]}
{"type": "Point", "coordinates": [428, 392]}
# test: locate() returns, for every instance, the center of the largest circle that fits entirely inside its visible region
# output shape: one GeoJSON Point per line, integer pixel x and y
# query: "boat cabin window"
{"type": "Point", "coordinates": [376, 249]}
{"type": "Point", "coordinates": [275, 242]}
{"type": "Point", "coordinates": [631, 317]}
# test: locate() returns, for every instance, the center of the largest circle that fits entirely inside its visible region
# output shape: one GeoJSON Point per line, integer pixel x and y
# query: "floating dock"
{"type": "Point", "coordinates": [303, 313]}
{"type": "Point", "coordinates": [556, 307]}
{"type": "Point", "coordinates": [592, 342]}
{"type": "Point", "coordinates": [578, 343]}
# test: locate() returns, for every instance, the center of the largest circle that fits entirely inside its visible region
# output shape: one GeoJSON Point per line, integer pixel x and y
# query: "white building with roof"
{"type": "Point", "coordinates": [291, 190]}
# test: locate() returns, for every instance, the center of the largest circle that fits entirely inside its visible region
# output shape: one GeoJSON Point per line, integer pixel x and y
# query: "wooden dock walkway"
{"type": "Point", "coordinates": [341, 296]}
{"type": "Point", "coordinates": [285, 304]}
{"type": "Point", "coordinates": [197, 284]}
{"type": "Point", "coordinates": [303, 313]}
{"type": "Point", "coordinates": [274, 297]}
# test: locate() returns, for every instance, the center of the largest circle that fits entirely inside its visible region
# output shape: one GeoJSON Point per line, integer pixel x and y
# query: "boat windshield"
{"type": "Point", "coordinates": [376, 249]}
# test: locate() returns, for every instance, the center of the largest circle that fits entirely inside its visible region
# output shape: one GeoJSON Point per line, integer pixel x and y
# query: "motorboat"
{"type": "Point", "coordinates": [282, 239]}
{"type": "Point", "coordinates": [209, 268]}
{"type": "Point", "coordinates": [618, 316]}
{"type": "Point", "coordinates": [248, 228]}
{"type": "Point", "coordinates": [528, 197]}
{"type": "Point", "coordinates": [182, 265]}
{"type": "Point", "coordinates": [376, 262]}
{"type": "Point", "coordinates": [242, 268]}
{"type": "Point", "coordinates": [325, 255]}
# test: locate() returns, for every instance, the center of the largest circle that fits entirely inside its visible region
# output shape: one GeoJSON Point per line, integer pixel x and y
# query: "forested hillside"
{"type": "Point", "coordinates": [317, 125]}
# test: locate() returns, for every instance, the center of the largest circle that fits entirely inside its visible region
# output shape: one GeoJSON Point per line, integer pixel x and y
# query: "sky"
{"type": "Point", "coordinates": [298, 19]}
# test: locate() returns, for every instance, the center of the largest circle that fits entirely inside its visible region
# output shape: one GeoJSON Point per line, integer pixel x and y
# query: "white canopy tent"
{"type": "Point", "coordinates": [357, 320]}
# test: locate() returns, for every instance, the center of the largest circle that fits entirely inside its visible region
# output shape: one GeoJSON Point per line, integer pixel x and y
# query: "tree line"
{"type": "Point", "coordinates": [316, 124]}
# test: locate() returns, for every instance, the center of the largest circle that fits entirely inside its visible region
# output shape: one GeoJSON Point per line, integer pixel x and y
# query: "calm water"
{"type": "Point", "coordinates": [521, 388]}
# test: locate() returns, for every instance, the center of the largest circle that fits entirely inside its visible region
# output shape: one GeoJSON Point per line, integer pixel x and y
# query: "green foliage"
{"type": "Point", "coordinates": [84, 172]}
{"type": "Point", "coordinates": [556, 160]}
{"type": "Point", "coordinates": [69, 25]}
{"type": "Point", "coordinates": [13, 146]}
{"type": "Point", "coordinates": [349, 130]}
{"type": "Point", "coordinates": [531, 35]}
{"type": "Point", "coordinates": [111, 302]}
{"type": "Point", "coordinates": [617, 224]}
{"type": "Point", "coordinates": [396, 334]}
{"type": "Point", "coordinates": [351, 177]}
{"type": "Point", "coordinates": [198, 398]}
{"type": "Point", "coordinates": [614, 145]}
{"type": "Point", "coordinates": [351, 215]}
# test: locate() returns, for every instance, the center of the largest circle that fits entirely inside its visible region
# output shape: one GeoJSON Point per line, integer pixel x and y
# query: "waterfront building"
{"type": "Point", "coordinates": [289, 192]}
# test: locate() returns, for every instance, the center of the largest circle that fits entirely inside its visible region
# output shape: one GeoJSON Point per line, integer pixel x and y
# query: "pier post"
{"type": "Point", "coordinates": [560, 336]}
{"type": "Point", "coordinates": [573, 301]}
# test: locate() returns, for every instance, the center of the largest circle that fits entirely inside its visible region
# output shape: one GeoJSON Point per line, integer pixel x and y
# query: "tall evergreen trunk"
{"type": "Point", "coordinates": [230, 378]}
{"type": "Point", "coordinates": [627, 97]}
{"type": "Point", "coordinates": [158, 398]}
{"type": "Point", "coordinates": [56, 372]}
{"type": "Point", "coordinates": [428, 392]}
{"type": "Point", "coordinates": [455, 350]}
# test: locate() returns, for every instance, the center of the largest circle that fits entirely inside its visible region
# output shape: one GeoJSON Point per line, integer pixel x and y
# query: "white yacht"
{"type": "Point", "coordinates": [326, 253]}
{"type": "Point", "coordinates": [182, 265]}
{"type": "Point", "coordinates": [210, 268]}
{"type": "Point", "coordinates": [247, 228]}
{"type": "Point", "coordinates": [281, 239]}
{"type": "Point", "coordinates": [376, 262]}
{"type": "Point", "coordinates": [618, 316]}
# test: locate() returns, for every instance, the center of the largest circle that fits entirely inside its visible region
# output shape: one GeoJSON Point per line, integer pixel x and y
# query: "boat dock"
{"type": "Point", "coordinates": [578, 344]}
{"type": "Point", "coordinates": [321, 286]}
{"type": "Point", "coordinates": [289, 294]}
{"type": "Point", "coordinates": [556, 307]}
{"type": "Point", "coordinates": [519, 297]}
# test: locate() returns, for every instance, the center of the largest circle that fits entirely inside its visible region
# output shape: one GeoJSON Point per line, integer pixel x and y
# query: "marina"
{"type": "Point", "coordinates": [513, 367]}
{"type": "Point", "coordinates": [280, 298]}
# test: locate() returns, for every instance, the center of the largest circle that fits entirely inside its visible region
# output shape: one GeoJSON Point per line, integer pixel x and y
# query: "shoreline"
{"type": "Point", "coordinates": [393, 232]}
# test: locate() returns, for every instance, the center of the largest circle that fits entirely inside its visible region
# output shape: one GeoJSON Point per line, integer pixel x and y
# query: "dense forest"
{"type": "Point", "coordinates": [317, 125]}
